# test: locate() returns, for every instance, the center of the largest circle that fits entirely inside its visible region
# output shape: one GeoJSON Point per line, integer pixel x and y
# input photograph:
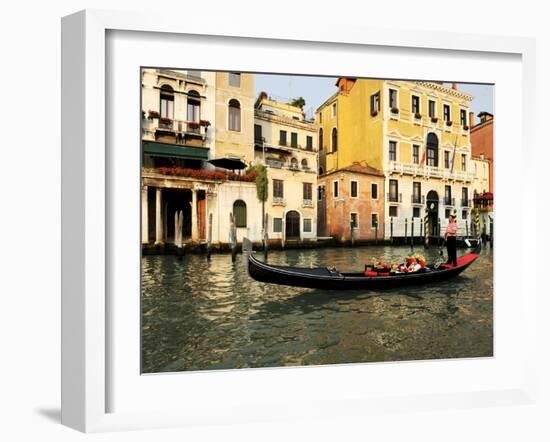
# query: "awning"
{"type": "Point", "coordinates": [229, 163]}
{"type": "Point", "coordinates": [175, 150]}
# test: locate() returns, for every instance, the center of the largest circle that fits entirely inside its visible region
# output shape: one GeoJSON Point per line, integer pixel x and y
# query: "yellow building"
{"type": "Point", "coordinates": [235, 116]}
{"type": "Point", "coordinates": [417, 133]}
{"type": "Point", "coordinates": [286, 143]}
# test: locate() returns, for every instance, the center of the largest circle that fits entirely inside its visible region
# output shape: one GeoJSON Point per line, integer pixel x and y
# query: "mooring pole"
{"type": "Point", "coordinates": [391, 229]}
{"type": "Point", "coordinates": [351, 233]}
{"type": "Point", "coordinates": [209, 240]}
{"type": "Point", "coordinates": [232, 237]}
{"type": "Point", "coordinates": [412, 233]}
{"type": "Point", "coordinates": [406, 229]}
{"type": "Point", "coordinates": [426, 237]}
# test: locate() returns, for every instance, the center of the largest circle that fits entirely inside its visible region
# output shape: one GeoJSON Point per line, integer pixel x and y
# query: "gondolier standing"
{"type": "Point", "coordinates": [450, 240]}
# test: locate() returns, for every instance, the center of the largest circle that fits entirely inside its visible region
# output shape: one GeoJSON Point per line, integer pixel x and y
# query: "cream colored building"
{"type": "Point", "coordinates": [182, 130]}
{"type": "Point", "coordinates": [287, 144]}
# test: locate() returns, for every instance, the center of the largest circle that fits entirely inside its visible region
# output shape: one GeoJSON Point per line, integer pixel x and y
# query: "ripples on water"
{"type": "Point", "coordinates": [200, 315]}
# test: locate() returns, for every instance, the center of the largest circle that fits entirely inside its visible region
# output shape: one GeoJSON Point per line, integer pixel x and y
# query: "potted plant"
{"type": "Point", "coordinates": [205, 123]}
{"type": "Point", "coordinates": [193, 124]}
{"type": "Point", "coordinates": [164, 121]}
{"type": "Point", "coordinates": [449, 123]}
{"type": "Point", "coordinates": [153, 115]}
{"type": "Point", "coordinates": [434, 119]}
{"type": "Point", "coordinates": [374, 113]}
{"type": "Point", "coordinates": [417, 115]}
{"type": "Point", "coordinates": [465, 127]}
{"type": "Point", "coordinates": [394, 110]}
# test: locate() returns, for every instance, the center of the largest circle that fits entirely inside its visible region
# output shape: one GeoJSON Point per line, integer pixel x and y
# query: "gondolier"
{"type": "Point", "coordinates": [450, 240]}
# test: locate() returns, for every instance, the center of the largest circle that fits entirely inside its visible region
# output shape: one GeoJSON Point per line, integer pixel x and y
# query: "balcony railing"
{"type": "Point", "coordinates": [465, 202]}
{"type": "Point", "coordinates": [449, 201]}
{"type": "Point", "coordinates": [394, 197]}
{"type": "Point", "coordinates": [307, 203]}
{"type": "Point", "coordinates": [428, 171]}
{"type": "Point", "coordinates": [178, 127]}
{"type": "Point", "coordinates": [418, 199]}
{"type": "Point", "coordinates": [278, 201]}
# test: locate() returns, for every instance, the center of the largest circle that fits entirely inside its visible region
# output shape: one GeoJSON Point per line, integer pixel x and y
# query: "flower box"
{"type": "Point", "coordinates": [394, 110]}
{"type": "Point", "coordinates": [193, 124]}
{"type": "Point", "coordinates": [374, 113]}
{"type": "Point", "coordinates": [449, 123]}
{"type": "Point", "coordinates": [205, 123]}
{"type": "Point", "coordinates": [418, 116]}
{"type": "Point", "coordinates": [153, 115]}
{"type": "Point", "coordinates": [465, 127]}
{"type": "Point", "coordinates": [434, 119]}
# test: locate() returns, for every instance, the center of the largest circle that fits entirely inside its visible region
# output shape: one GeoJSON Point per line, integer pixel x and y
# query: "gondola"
{"type": "Point", "coordinates": [330, 278]}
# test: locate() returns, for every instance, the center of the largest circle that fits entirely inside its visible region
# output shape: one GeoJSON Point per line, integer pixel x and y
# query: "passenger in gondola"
{"type": "Point", "coordinates": [450, 240]}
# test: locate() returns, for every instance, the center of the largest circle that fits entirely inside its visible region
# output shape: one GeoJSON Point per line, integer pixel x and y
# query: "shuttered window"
{"type": "Point", "coordinates": [239, 213]}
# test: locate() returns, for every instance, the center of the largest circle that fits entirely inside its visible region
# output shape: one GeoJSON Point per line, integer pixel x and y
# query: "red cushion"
{"type": "Point", "coordinates": [371, 274]}
{"type": "Point", "coordinates": [384, 274]}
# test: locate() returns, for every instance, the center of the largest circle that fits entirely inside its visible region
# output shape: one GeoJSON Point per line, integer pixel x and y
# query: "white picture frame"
{"type": "Point", "coordinates": [87, 214]}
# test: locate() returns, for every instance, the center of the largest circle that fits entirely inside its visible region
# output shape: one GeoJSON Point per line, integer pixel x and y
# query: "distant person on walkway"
{"type": "Point", "coordinates": [450, 240]}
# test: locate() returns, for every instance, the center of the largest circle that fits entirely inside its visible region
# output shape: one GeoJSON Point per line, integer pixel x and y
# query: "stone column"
{"type": "Point", "coordinates": [194, 217]}
{"type": "Point", "coordinates": [144, 216]}
{"type": "Point", "coordinates": [159, 222]}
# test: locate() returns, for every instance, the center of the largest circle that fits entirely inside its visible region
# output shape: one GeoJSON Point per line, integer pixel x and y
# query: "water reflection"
{"type": "Point", "coordinates": [199, 314]}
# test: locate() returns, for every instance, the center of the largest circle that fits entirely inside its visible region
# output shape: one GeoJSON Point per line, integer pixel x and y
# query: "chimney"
{"type": "Point", "coordinates": [453, 86]}
{"type": "Point", "coordinates": [471, 115]}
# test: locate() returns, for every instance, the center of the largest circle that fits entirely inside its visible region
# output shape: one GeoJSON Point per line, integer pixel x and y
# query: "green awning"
{"type": "Point", "coordinates": [175, 150]}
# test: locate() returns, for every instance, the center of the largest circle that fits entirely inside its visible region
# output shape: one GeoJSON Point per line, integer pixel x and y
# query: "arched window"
{"type": "Point", "coordinates": [193, 106]}
{"type": "Point", "coordinates": [234, 115]}
{"type": "Point", "coordinates": [432, 150]}
{"type": "Point", "coordinates": [334, 139]}
{"type": "Point", "coordinates": [239, 213]}
{"type": "Point", "coordinates": [321, 139]}
{"type": "Point", "coordinates": [321, 171]}
{"type": "Point", "coordinates": [167, 101]}
{"type": "Point", "coordinates": [294, 163]}
{"type": "Point", "coordinates": [304, 164]}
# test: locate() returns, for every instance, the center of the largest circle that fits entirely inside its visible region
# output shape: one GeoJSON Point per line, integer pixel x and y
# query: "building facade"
{"type": "Point", "coordinates": [184, 128]}
{"type": "Point", "coordinates": [416, 133]}
{"type": "Point", "coordinates": [286, 143]}
{"type": "Point", "coordinates": [351, 204]}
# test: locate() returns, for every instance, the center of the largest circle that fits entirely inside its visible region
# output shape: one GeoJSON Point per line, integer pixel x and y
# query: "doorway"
{"type": "Point", "coordinates": [292, 225]}
{"type": "Point", "coordinates": [432, 203]}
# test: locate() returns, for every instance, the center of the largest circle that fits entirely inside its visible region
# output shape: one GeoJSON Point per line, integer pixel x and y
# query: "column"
{"type": "Point", "coordinates": [159, 222]}
{"type": "Point", "coordinates": [144, 216]}
{"type": "Point", "coordinates": [194, 218]}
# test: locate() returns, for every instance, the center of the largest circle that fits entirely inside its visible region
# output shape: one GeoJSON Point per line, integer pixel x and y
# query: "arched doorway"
{"type": "Point", "coordinates": [292, 225]}
{"type": "Point", "coordinates": [432, 203]}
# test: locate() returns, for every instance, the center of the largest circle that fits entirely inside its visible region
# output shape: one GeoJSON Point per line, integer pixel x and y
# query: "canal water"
{"type": "Point", "coordinates": [202, 315]}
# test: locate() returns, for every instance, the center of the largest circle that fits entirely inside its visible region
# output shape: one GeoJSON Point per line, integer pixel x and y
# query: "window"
{"type": "Point", "coordinates": [234, 79]}
{"type": "Point", "coordinates": [465, 197]}
{"type": "Point", "coordinates": [416, 153]}
{"type": "Point", "coordinates": [334, 139]}
{"type": "Point", "coordinates": [308, 191]}
{"type": "Point", "coordinates": [321, 171]}
{"type": "Point", "coordinates": [416, 192]}
{"type": "Point", "coordinates": [375, 103]}
{"type": "Point", "coordinates": [320, 117]}
{"type": "Point", "coordinates": [353, 189]}
{"type": "Point", "coordinates": [320, 193]}
{"type": "Point", "coordinates": [234, 115]}
{"type": "Point", "coordinates": [463, 162]}
{"type": "Point", "coordinates": [463, 118]}
{"type": "Point", "coordinates": [393, 151]}
{"type": "Point", "coordinates": [447, 159]}
{"type": "Point", "coordinates": [432, 149]}
{"type": "Point", "coordinates": [334, 110]}
{"type": "Point", "coordinates": [431, 108]}
{"type": "Point", "coordinates": [448, 196]}
{"type": "Point", "coordinates": [167, 102]}
{"type": "Point", "coordinates": [278, 189]}
{"type": "Point", "coordinates": [394, 188]}
{"type": "Point", "coordinates": [239, 213]}
{"type": "Point", "coordinates": [277, 225]}
{"type": "Point", "coordinates": [446, 112]}
{"type": "Point", "coordinates": [393, 211]}
{"type": "Point", "coordinates": [307, 225]}
{"type": "Point", "coordinates": [293, 139]}
{"type": "Point", "coordinates": [393, 98]}
{"type": "Point", "coordinates": [335, 189]}
{"type": "Point", "coordinates": [282, 137]}
{"type": "Point", "coordinates": [320, 138]}
{"type": "Point", "coordinates": [294, 163]}
{"type": "Point", "coordinates": [415, 104]}
{"type": "Point", "coordinates": [258, 133]}
{"type": "Point", "coordinates": [309, 143]}
{"type": "Point", "coordinates": [374, 191]}
{"type": "Point", "coordinates": [304, 164]}
{"type": "Point", "coordinates": [374, 220]}
{"type": "Point", "coordinates": [193, 106]}
{"type": "Point", "coordinates": [447, 213]}
{"type": "Point", "coordinates": [416, 212]}
{"type": "Point", "coordinates": [464, 214]}
{"type": "Point", "coordinates": [354, 221]}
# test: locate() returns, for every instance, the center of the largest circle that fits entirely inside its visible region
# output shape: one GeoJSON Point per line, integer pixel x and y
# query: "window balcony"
{"type": "Point", "coordinates": [274, 163]}
{"type": "Point", "coordinates": [418, 199]}
{"type": "Point", "coordinates": [278, 201]}
{"type": "Point", "coordinates": [449, 202]}
{"type": "Point", "coordinates": [179, 128]}
{"type": "Point", "coordinates": [428, 171]}
{"type": "Point", "coordinates": [307, 203]}
{"type": "Point", "coordinates": [465, 202]}
{"type": "Point", "coordinates": [394, 197]}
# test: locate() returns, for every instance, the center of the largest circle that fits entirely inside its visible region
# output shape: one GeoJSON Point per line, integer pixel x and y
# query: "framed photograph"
{"type": "Point", "coordinates": [280, 224]}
